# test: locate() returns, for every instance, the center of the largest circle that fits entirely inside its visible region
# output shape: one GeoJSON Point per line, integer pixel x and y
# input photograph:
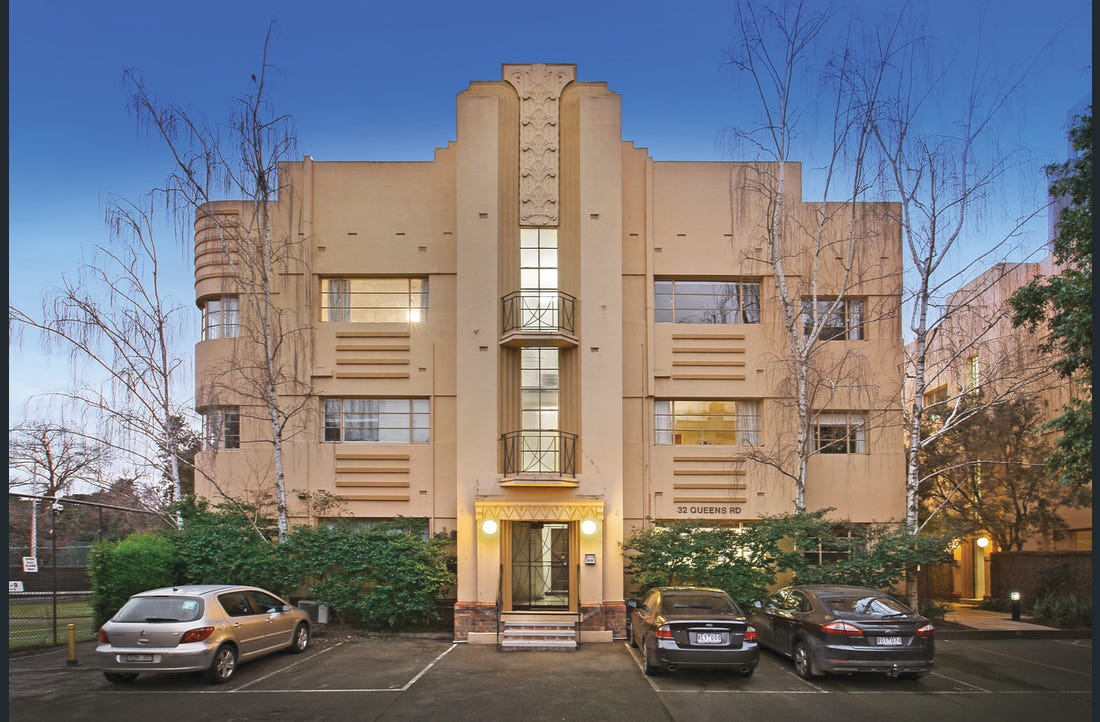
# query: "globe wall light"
{"type": "Point", "coordinates": [588, 527]}
{"type": "Point", "coordinates": [982, 542]}
{"type": "Point", "coordinates": [489, 526]}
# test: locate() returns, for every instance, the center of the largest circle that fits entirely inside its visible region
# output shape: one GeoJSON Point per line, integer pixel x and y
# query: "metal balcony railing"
{"type": "Point", "coordinates": [540, 452]}
{"type": "Point", "coordinates": [549, 312]}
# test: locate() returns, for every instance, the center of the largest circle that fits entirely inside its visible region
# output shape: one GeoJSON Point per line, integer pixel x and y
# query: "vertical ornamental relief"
{"type": "Point", "coordinates": [539, 86]}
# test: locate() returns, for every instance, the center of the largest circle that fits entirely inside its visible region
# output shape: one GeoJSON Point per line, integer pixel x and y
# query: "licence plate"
{"type": "Point", "coordinates": [139, 658]}
{"type": "Point", "coordinates": [888, 641]}
{"type": "Point", "coordinates": [709, 638]}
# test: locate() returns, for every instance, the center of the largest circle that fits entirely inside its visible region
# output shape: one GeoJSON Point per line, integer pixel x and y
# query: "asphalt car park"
{"type": "Point", "coordinates": [413, 678]}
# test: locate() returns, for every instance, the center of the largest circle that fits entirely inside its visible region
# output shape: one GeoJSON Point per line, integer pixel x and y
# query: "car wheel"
{"type": "Point", "coordinates": [649, 668]}
{"type": "Point", "coordinates": [223, 666]}
{"type": "Point", "coordinates": [301, 639]}
{"type": "Point", "coordinates": [631, 639]}
{"type": "Point", "coordinates": [803, 661]}
{"type": "Point", "coordinates": [120, 677]}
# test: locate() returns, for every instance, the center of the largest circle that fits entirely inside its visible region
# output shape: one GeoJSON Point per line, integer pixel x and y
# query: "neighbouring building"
{"type": "Point", "coordinates": [539, 341]}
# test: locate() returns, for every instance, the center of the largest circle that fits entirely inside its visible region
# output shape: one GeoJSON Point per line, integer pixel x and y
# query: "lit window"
{"type": "Point", "coordinates": [935, 403]}
{"type": "Point", "coordinates": [840, 320]}
{"type": "Point", "coordinates": [386, 421]}
{"type": "Point", "coordinates": [973, 379]}
{"type": "Point", "coordinates": [689, 301]}
{"type": "Point", "coordinates": [721, 423]}
{"type": "Point", "coordinates": [840, 434]}
{"type": "Point", "coordinates": [374, 300]}
{"type": "Point", "coordinates": [221, 318]}
{"type": "Point", "coordinates": [221, 428]}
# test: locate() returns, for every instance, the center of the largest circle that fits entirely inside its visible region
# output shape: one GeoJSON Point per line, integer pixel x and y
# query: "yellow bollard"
{"type": "Point", "coordinates": [71, 628]}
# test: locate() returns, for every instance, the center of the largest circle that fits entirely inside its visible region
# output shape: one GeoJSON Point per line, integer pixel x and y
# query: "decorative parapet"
{"type": "Point", "coordinates": [539, 87]}
{"type": "Point", "coordinates": [573, 510]}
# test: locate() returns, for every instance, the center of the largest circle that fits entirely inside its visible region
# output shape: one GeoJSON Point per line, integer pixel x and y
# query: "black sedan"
{"type": "Point", "coordinates": [842, 629]}
{"type": "Point", "coordinates": [692, 627]}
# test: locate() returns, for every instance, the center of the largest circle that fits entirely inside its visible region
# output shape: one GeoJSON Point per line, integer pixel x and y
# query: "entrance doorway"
{"type": "Point", "coordinates": [540, 565]}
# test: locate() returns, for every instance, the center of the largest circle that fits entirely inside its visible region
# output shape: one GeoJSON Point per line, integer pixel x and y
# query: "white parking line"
{"type": "Point", "coordinates": [959, 681]}
{"type": "Point", "coordinates": [283, 669]}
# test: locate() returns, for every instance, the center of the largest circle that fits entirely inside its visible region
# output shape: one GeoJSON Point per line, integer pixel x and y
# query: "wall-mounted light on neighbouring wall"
{"type": "Point", "coordinates": [588, 526]}
{"type": "Point", "coordinates": [982, 542]}
{"type": "Point", "coordinates": [489, 526]}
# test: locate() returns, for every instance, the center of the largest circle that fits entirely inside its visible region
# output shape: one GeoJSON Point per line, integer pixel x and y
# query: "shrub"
{"type": "Point", "coordinates": [934, 611]}
{"type": "Point", "coordinates": [1062, 610]}
{"type": "Point", "coordinates": [120, 569]}
{"type": "Point", "coordinates": [226, 544]}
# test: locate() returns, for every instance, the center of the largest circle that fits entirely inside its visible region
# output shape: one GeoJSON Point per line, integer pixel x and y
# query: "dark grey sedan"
{"type": "Point", "coordinates": [692, 627]}
{"type": "Point", "coordinates": [843, 629]}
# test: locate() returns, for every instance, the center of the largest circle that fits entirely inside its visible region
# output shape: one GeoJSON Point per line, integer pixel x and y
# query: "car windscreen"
{"type": "Point", "coordinates": [862, 604]}
{"type": "Point", "coordinates": [153, 610]}
{"type": "Point", "coordinates": [698, 604]}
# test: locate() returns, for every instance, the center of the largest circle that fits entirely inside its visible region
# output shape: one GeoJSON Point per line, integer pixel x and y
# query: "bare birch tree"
{"type": "Point", "coordinates": [116, 323]}
{"type": "Point", "coordinates": [257, 254]}
{"type": "Point", "coordinates": [819, 251]}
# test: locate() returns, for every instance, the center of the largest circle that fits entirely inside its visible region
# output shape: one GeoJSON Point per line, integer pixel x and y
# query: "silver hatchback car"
{"type": "Point", "coordinates": [207, 628]}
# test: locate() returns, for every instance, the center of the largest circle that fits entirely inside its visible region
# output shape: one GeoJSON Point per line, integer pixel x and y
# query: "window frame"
{"type": "Point", "coordinates": [221, 428]}
{"type": "Point", "coordinates": [747, 428]}
{"type": "Point", "coordinates": [338, 303]}
{"type": "Point", "coordinates": [849, 331]}
{"type": "Point", "coordinates": [336, 408]}
{"type": "Point", "coordinates": [218, 318]}
{"type": "Point", "coordinates": [854, 439]}
{"type": "Point", "coordinates": [746, 292]}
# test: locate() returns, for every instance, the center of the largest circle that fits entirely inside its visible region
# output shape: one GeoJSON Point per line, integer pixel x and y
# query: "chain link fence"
{"type": "Point", "coordinates": [47, 595]}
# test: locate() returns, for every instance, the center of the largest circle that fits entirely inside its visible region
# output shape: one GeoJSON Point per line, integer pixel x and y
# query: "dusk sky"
{"type": "Point", "coordinates": [377, 81]}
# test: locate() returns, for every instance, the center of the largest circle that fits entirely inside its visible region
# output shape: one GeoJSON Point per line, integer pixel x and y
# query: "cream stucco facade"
{"type": "Point", "coordinates": [507, 334]}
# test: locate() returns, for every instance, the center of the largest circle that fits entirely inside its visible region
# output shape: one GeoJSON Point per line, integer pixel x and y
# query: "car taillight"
{"type": "Point", "coordinates": [925, 631]}
{"type": "Point", "coordinates": [839, 627]}
{"type": "Point", "coordinates": [750, 634]}
{"type": "Point", "coordinates": [103, 638]}
{"type": "Point", "coordinates": [196, 635]}
{"type": "Point", "coordinates": [663, 632]}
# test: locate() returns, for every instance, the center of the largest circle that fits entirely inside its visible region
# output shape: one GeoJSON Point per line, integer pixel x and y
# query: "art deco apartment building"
{"type": "Point", "coordinates": [541, 340]}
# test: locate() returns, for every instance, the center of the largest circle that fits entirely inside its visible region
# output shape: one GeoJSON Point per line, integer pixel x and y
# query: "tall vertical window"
{"type": "Point", "coordinates": [840, 434]}
{"type": "Point", "coordinates": [374, 300]}
{"type": "Point", "coordinates": [720, 423]}
{"type": "Point", "coordinates": [840, 320]}
{"type": "Point", "coordinates": [540, 388]}
{"type": "Point", "coordinates": [221, 318]}
{"type": "Point", "coordinates": [538, 276]}
{"type": "Point", "coordinates": [691, 301]}
{"type": "Point", "coordinates": [973, 380]}
{"type": "Point", "coordinates": [221, 428]}
{"type": "Point", "coordinates": [393, 421]}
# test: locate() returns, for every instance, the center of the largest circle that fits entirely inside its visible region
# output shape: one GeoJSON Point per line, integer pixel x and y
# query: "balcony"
{"type": "Point", "coordinates": [539, 318]}
{"type": "Point", "coordinates": [540, 458]}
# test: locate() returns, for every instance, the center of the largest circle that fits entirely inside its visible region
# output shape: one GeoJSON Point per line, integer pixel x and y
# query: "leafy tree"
{"type": "Point", "coordinates": [806, 546]}
{"type": "Point", "coordinates": [1063, 304]}
{"type": "Point", "coordinates": [992, 477]}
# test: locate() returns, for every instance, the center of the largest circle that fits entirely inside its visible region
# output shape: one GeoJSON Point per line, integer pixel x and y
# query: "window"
{"type": "Point", "coordinates": [539, 411]}
{"type": "Point", "coordinates": [387, 421]}
{"type": "Point", "coordinates": [973, 379]}
{"type": "Point", "coordinates": [839, 320]}
{"type": "Point", "coordinates": [221, 318]}
{"type": "Point", "coordinates": [374, 300]}
{"type": "Point", "coordinates": [840, 434]}
{"type": "Point", "coordinates": [721, 423]}
{"type": "Point", "coordinates": [687, 301]}
{"type": "Point", "coordinates": [538, 259]}
{"type": "Point", "coordinates": [935, 403]}
{"type": "Point", "coordinates": [221, 428]}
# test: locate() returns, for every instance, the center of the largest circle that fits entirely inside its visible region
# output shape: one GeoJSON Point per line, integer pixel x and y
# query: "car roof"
{"type": "Point", "coordinates": [691, 589]}
{"type": "Point", "coordinates": [836, 589]}
{"type": "Point", "coordinates": [194, 589]}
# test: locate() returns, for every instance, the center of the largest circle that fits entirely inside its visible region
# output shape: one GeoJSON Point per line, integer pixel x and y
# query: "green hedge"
{"type": "Point", "coordinates": [122, 568]}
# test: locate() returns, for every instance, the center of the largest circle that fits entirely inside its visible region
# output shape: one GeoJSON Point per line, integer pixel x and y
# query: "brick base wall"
{"type": "Point", "coordinates": [605, 616]}
{"type": "Point", "coordinates": [474, 617]}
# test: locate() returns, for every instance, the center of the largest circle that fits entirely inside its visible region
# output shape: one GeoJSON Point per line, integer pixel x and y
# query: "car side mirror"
{"type": "Point", "coordinates": [286, 607]}
{"type": "Point", "coordinates": [758, 604]}
{"type": "Point", "coordinates": [632, 604]}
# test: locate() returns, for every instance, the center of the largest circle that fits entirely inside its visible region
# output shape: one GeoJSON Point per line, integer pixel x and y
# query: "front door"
{"type": "Point", "coordinates": [540, 565]}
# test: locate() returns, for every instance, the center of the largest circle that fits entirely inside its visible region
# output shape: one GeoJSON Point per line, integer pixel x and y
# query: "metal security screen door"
{"type": "Point", "coordinates": [540, 565]}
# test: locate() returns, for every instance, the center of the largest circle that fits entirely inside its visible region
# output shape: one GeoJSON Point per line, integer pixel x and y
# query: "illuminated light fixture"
{"type": "Point", "coordinates": [982, 542]}
{"type": "Point", "coordinates": [1015, 596]}
{"type": "Point", "coordinates": [588, 526]}
{"type": "Point", "coordinates": [489, 526]}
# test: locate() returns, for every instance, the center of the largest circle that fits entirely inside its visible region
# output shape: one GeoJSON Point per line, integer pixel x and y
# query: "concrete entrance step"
{"type": "Point", "coordinates": [530, 635]}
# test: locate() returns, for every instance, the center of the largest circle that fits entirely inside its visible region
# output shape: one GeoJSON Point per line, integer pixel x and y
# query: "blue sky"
{"type": "Point", "coordinates": [377, 81]}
